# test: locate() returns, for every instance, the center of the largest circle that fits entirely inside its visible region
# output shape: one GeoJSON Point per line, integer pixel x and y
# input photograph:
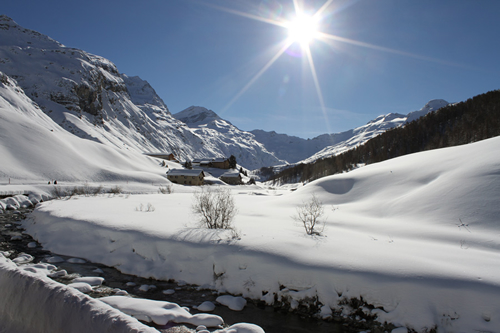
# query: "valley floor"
{"type": "Point", "coordinates": [417, 238]}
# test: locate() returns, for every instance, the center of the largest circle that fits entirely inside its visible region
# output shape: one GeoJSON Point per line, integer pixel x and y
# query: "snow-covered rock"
{"type": "Point", "coordinates": [81, 286]}
{"type": "Point", "coordinates": [91, 280]}
{"type": "Point", "coordinates": [242, 328]}
{"type": "Point", "coordinates": [160, 312]}
{"type": "Point", "coordinates": [30, 302]}
{"type": "Point", "coordinates": [206, 306]}
{"type": "Point", "coordinates": [235, 303]}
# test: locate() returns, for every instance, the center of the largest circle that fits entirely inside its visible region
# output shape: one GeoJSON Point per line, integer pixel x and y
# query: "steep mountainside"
{"type": "Point", "coordinates": [33, 147]}
{"type": "Point", "coordinates": [86, 95]}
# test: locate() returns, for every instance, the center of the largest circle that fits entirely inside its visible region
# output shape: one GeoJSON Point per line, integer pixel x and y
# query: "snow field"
{"type": "Point", "coordinates": [415, 236]}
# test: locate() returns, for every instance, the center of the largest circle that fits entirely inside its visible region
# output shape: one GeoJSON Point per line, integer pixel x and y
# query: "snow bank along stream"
{"type": "Point", "coordinates": [30, 301]}
{"type": "Point", "coordinates": [88, 278]}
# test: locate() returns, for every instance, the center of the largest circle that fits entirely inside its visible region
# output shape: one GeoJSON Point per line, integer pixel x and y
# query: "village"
{"type": "Point", "coordinates": [205, 171]}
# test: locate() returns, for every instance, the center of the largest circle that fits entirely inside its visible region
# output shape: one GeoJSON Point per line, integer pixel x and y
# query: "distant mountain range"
{"type": "Point", "coordinates": [88, 97]}
{"type": "Point", "coordinates": [292, 149]}
{"type": "Point", "coordinates": [296, 150]}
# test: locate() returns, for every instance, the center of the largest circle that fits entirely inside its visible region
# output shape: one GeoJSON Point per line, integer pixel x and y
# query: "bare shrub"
{"type": "Point", "coordinates": [115, 190]}
{"type": "Point", "coordinates": [168, 189]}
{"type": "Point", "coordinates": [309, 214]}
{"type": "Point", "coordinates": [149, 208]}
{"type": "Point", "coordinates": [215, 207]}
{"type": "Point", "coordinates": [57, 192]}
{"type": "Point", "coordinates": [86, 190]}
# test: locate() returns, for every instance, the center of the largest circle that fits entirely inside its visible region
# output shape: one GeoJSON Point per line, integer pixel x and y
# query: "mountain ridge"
{"type": "Point", "coordinates": [87, 95]}
{"type": "Point", "coordinates": [331, 144]}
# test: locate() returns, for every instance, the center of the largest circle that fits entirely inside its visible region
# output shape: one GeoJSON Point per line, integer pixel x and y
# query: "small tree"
{"type": "Point", "coordinates": [232, 162]}
{"type": "Point", "coordinates": [188, 165]}
{"type": "Point", "coordinates": [215, 207]}
{"type": "Point", "coordinates": [309, 213]}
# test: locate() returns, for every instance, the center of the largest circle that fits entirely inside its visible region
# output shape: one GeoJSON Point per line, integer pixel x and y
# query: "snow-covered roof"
{"type": "Point", "coordinates": [159, 155]}
{"type": "Point", "coordinates": [185, 172]}
{"type": "Point", "coordinates": [201, 160]}
{"type": "Point", "coordinates": [231, 174]}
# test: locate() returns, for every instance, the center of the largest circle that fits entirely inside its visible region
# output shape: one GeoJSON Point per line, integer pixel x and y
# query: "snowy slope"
{"type": "Point", "coordinates": [416, 236]}
{"type": "Point", "coordinates": [298, 150]}
{"type": "Point", "coordinates": [34, 147]}
{"type": "Point", "coordinates": [224, 136]}
{"type": "Point", "coordinates": [86, 95]}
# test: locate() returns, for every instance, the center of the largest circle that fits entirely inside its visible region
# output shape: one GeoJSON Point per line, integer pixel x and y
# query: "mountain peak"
{"type": "Point", "coordinates": [432, 105]}
{"type": "Point", "coordinates": [14, 34]}
{"type": "Point", "coordinates": [5, 18]}
{"type": "Point", "coordinates": [142, 94]}
{"type": "Point", "coordinates": [196, 115]}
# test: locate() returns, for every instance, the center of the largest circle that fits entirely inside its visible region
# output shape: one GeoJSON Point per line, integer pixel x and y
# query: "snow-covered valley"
{"type": "Point", "coordinates": [416, 237]}
{"type": "Point", "coordinates": [415, 240]}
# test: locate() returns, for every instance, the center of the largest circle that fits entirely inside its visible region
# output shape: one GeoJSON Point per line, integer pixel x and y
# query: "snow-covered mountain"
{"type": "Point", "coordinates": [221, 134]}
{"type": "Point", "coordinates": [87, 96]}
{"type": "Point", "coordinates": [296, 150]}
{"type": "Point", "coordinates": [34, 147]}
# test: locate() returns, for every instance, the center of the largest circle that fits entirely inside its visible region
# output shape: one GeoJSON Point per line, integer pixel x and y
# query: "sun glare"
{"type": "Point", "coordinates": [303, 29]}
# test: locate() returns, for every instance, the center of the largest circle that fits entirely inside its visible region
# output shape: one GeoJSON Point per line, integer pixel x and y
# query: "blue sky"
{"type": "Point", "coordinates": [400, 54]}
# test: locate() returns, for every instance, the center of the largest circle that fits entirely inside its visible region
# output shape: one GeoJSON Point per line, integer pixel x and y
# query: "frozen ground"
{"type": "Point", "coordinates": [416, 236]}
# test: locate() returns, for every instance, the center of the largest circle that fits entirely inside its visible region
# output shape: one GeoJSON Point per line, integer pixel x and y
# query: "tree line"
{"type": "Point", "coordinates": [475, 119]}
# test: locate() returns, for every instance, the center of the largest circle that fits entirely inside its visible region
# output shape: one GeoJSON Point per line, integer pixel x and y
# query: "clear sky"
{"type": "Point", "coordinates": [373, 57]}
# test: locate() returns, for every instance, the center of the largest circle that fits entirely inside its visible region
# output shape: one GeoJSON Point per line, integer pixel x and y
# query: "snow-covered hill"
{"type": "Point", "coordinates": [86, 95]}
{"type": "Point", "coordinates": [296, 150]}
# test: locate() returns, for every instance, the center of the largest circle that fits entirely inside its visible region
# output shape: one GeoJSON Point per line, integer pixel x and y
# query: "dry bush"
{"type": "Point", "coordinates": [309, 214]}
{"type": "Point", "coordinates": [168, 189]}
{"type": "Point", "coordinates": [215, 207]}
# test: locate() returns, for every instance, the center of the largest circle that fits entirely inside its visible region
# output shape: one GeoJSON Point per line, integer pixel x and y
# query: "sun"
{"type": "Point", "coordinates": [303, 29]}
